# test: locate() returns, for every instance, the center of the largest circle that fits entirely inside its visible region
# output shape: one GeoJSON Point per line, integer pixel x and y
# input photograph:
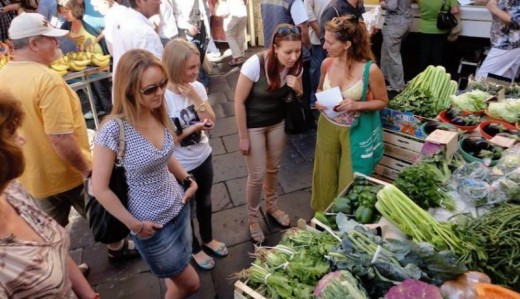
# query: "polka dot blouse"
{"type": "Point", "coordinates": [154, 194]}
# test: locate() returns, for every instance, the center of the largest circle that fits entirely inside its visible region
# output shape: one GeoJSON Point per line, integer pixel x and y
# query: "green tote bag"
{"type": "Point", "coordinates": [366, 138]}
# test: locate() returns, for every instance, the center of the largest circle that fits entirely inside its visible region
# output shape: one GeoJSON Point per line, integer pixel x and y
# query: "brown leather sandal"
{"type": "Point", "coordinates": [281, 217]}
{"type": "Point", "coordinates": [256, 232]}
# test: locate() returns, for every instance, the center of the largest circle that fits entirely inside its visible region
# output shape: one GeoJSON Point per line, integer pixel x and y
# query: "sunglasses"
{"type": "Point", "coordinates": [283, 31]}
{"type": "Point", "coordinates": [151, 89]}
{"type": "Point", "coordinates": [341, 22]}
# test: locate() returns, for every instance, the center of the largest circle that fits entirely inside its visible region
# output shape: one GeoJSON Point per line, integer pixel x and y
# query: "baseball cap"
{"type": "Point", "coordinates": [32, 24]}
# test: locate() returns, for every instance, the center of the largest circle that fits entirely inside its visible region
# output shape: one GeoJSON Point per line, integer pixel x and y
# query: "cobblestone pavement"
{"type": "Point", "coordinates": [132, 279]}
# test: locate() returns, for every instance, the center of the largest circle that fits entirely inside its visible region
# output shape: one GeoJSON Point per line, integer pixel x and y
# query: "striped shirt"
{"type": "Point", "coordinates": [34, 269]}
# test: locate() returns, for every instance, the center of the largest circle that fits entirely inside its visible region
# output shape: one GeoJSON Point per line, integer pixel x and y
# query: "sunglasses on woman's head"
{"type": "Point", "coordinates": [340, 23]}
{"type": "Point", "coordinates": [151, 89]}
{"type": "Point", "coordinates": [282, 31]}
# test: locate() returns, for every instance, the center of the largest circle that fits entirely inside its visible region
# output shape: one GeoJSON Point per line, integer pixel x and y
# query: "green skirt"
{"type": "Point", "coordinates": [332, 163]}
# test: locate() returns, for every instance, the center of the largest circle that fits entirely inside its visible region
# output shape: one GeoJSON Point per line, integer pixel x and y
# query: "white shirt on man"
{"type": "Point", "coordinates": [135, 31]}
{"type": "Point", "coordinates": [167, 24]}
{"type": "Point", "coordinates": [112, 17]}
{"type": "Point", "coordinates": [315, 9]}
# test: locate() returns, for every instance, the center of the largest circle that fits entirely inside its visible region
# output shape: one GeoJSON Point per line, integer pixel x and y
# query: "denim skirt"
{"type": "Point", "coordinates": [168, 251]}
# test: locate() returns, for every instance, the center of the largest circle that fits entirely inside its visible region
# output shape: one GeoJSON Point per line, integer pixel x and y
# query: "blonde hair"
{"type": "Point", "coordinates": [176, 53]}
{"type": "Point", "coordinates": [77, 10]}
{"type": "Point", "coordinates": [127, 94]}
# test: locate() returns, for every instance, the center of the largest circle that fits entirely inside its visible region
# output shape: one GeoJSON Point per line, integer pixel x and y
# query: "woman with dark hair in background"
{"type": "Point", "coordinates": [363, 89]}
{"type": "Point", "coordinates": [432, 39]}
{"type": "Point", "coordinates": [34, 260]}
{"type": "Point", "coordinates": [265, 80]}
{"type": "Point", "coordinates": [87, 38]}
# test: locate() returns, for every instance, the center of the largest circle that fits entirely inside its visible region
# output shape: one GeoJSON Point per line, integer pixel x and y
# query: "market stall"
{"type": "Point", "coordinates": [82, 80]}
{"type": "Point", "coordinates": [442, 222]}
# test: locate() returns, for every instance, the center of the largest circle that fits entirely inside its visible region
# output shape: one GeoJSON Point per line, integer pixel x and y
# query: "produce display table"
{"type": "Point", "coordinates": [87, 76]}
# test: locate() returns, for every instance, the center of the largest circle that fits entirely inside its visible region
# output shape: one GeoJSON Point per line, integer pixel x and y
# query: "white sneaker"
{"type": "Point", "coordinates": [88, 115]}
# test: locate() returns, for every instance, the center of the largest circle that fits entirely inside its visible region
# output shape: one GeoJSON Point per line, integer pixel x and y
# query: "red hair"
{"type": "Point", "coordinates": [279, 36]}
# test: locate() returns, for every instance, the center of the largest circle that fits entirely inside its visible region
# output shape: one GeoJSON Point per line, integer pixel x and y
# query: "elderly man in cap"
{"type": "Point", "coordinates": [57, 152]}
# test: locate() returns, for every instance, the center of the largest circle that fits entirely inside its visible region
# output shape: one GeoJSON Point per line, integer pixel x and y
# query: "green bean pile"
{"type": "Point", "coordinates": [499, 235]}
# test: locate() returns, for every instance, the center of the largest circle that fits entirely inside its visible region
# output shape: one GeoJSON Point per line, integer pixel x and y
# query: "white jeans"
{"type": "Point", "coordinates": [391, 61]}
{"type": "Point", "coordinates": [500, 62]}
{"type": "Point", "coordinates": [234, 28]}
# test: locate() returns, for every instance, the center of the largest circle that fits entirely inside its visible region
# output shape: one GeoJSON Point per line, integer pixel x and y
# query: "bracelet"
{"type": "Point", "coordinates": [142, 227]}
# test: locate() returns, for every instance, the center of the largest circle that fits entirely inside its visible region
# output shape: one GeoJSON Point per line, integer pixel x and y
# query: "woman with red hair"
{"type": "Point", "coordinates": [265, 80]}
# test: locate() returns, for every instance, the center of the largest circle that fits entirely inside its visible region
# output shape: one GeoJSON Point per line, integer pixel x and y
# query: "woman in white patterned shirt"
{"type": "Point", "coordinates": [34, 260]}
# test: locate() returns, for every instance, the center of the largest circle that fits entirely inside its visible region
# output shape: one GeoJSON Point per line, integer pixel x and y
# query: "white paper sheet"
{"type": "Point", "coordinates": [330, 98]}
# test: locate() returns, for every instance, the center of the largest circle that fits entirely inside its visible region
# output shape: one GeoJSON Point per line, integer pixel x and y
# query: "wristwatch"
{"type": "Point", "coordinates": [186, 183]}
{"type": "Point", "coordinates": [201, 108]}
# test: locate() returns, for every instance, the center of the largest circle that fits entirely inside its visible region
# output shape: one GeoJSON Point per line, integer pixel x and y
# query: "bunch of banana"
{"type": "Point", "coordinates": [77, 62]}
{"type": "Point", "coordinates": [4, 59]}
{"type": "Point", "coordinates": [99, 60]}
{"type": "Point", "coordinates": [59, 68]}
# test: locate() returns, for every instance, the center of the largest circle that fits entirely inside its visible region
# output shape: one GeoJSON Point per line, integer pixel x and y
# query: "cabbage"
{"type": "Point", "coordinates": [471, 101]}
{"type": "Point", "coordinates": [508, 110]}
{"type": "Point", "coordinates": [414, 289]}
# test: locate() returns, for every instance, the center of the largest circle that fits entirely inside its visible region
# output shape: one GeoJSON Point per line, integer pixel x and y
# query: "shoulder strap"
{"type": "Point", "coordinates": [261, 60]}
{"type": "Point", "coordinates": [443, 5]}
{"type": "Point", "coordinates": [122, 142]}
{"type": "Point", "coordinates": [366, 74]}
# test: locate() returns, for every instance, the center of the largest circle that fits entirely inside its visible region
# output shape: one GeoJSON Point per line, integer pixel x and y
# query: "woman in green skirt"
{"type": "Point", "coordinates": [352, 139]}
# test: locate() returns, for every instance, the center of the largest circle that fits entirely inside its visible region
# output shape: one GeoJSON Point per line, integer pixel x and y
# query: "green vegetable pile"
{"type": "Point", "coordinates": [498, 234]}
{"type": "Point", "coordinates": [383, 263]}
{"type": "Point", "coordinates": [292, 268]}
{"type": "Point", "coordinates": [508, 110]}
{"type": "Point", "coordinates": [493, 88]}
{"type": "Point", "coordinates": [471, 101]}
{"type": "Point", "coordinates": [427, 94]}
{"type": "Point", "coordinates": [419, 182]}
{"type": "Point", "coordinates": [412, 220]}
{"type": "Point", "coordinates": [339, 284]}
{"type": "Point", "coordinates": [358, 202]}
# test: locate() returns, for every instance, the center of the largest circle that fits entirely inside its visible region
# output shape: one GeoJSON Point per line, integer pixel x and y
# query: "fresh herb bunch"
{"type": "Point", "coordinates": [419, 182]}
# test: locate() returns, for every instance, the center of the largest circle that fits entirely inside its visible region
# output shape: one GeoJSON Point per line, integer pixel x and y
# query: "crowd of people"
{"type": "Point", "coordinates": [159, 98]}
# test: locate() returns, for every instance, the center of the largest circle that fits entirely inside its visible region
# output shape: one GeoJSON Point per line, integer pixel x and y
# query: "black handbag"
{"type": "Point", "coordinates": [445, 19]}
{"type": "Point", "coordinates": [104, 227]}
{"type": "Point", "coordinates": [295, 118]}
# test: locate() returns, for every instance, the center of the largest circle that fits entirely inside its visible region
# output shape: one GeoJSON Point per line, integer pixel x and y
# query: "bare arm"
{"type": "Point", "coordinates": [67, 148]}
{"type": "Point", "coordinates": [80, 285]}
{"type": "Point", "coordinates": [455, 10]}
{"type": "Point", "coordinates": [304, 28]}
{"type": "Point", "coordinates": [243, 88]}
{"type": "Point", "coordinates": [316, 27]}
{"type": "Point", "coordinates": [377, 86]}
{"type": "Point", "coordinates": [320, 85]}
{"type": "Point", "coordinates": [180, 174]}
{"type": "Point", "coordinates": [101, 171]}
{"type": "Point", "coordinates": [504, 16]}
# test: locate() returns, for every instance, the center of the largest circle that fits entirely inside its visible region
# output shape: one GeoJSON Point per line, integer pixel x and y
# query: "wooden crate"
{"type": "Point", "coordinates": [401, 150]}
{"type": "Point", "coordinates": [315, 223]}
{"type": "Point", "coordinates": [242, 291]}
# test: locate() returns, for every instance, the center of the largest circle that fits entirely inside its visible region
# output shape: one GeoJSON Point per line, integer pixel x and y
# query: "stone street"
{"type": "Point", "coordinates": [133, 279]}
